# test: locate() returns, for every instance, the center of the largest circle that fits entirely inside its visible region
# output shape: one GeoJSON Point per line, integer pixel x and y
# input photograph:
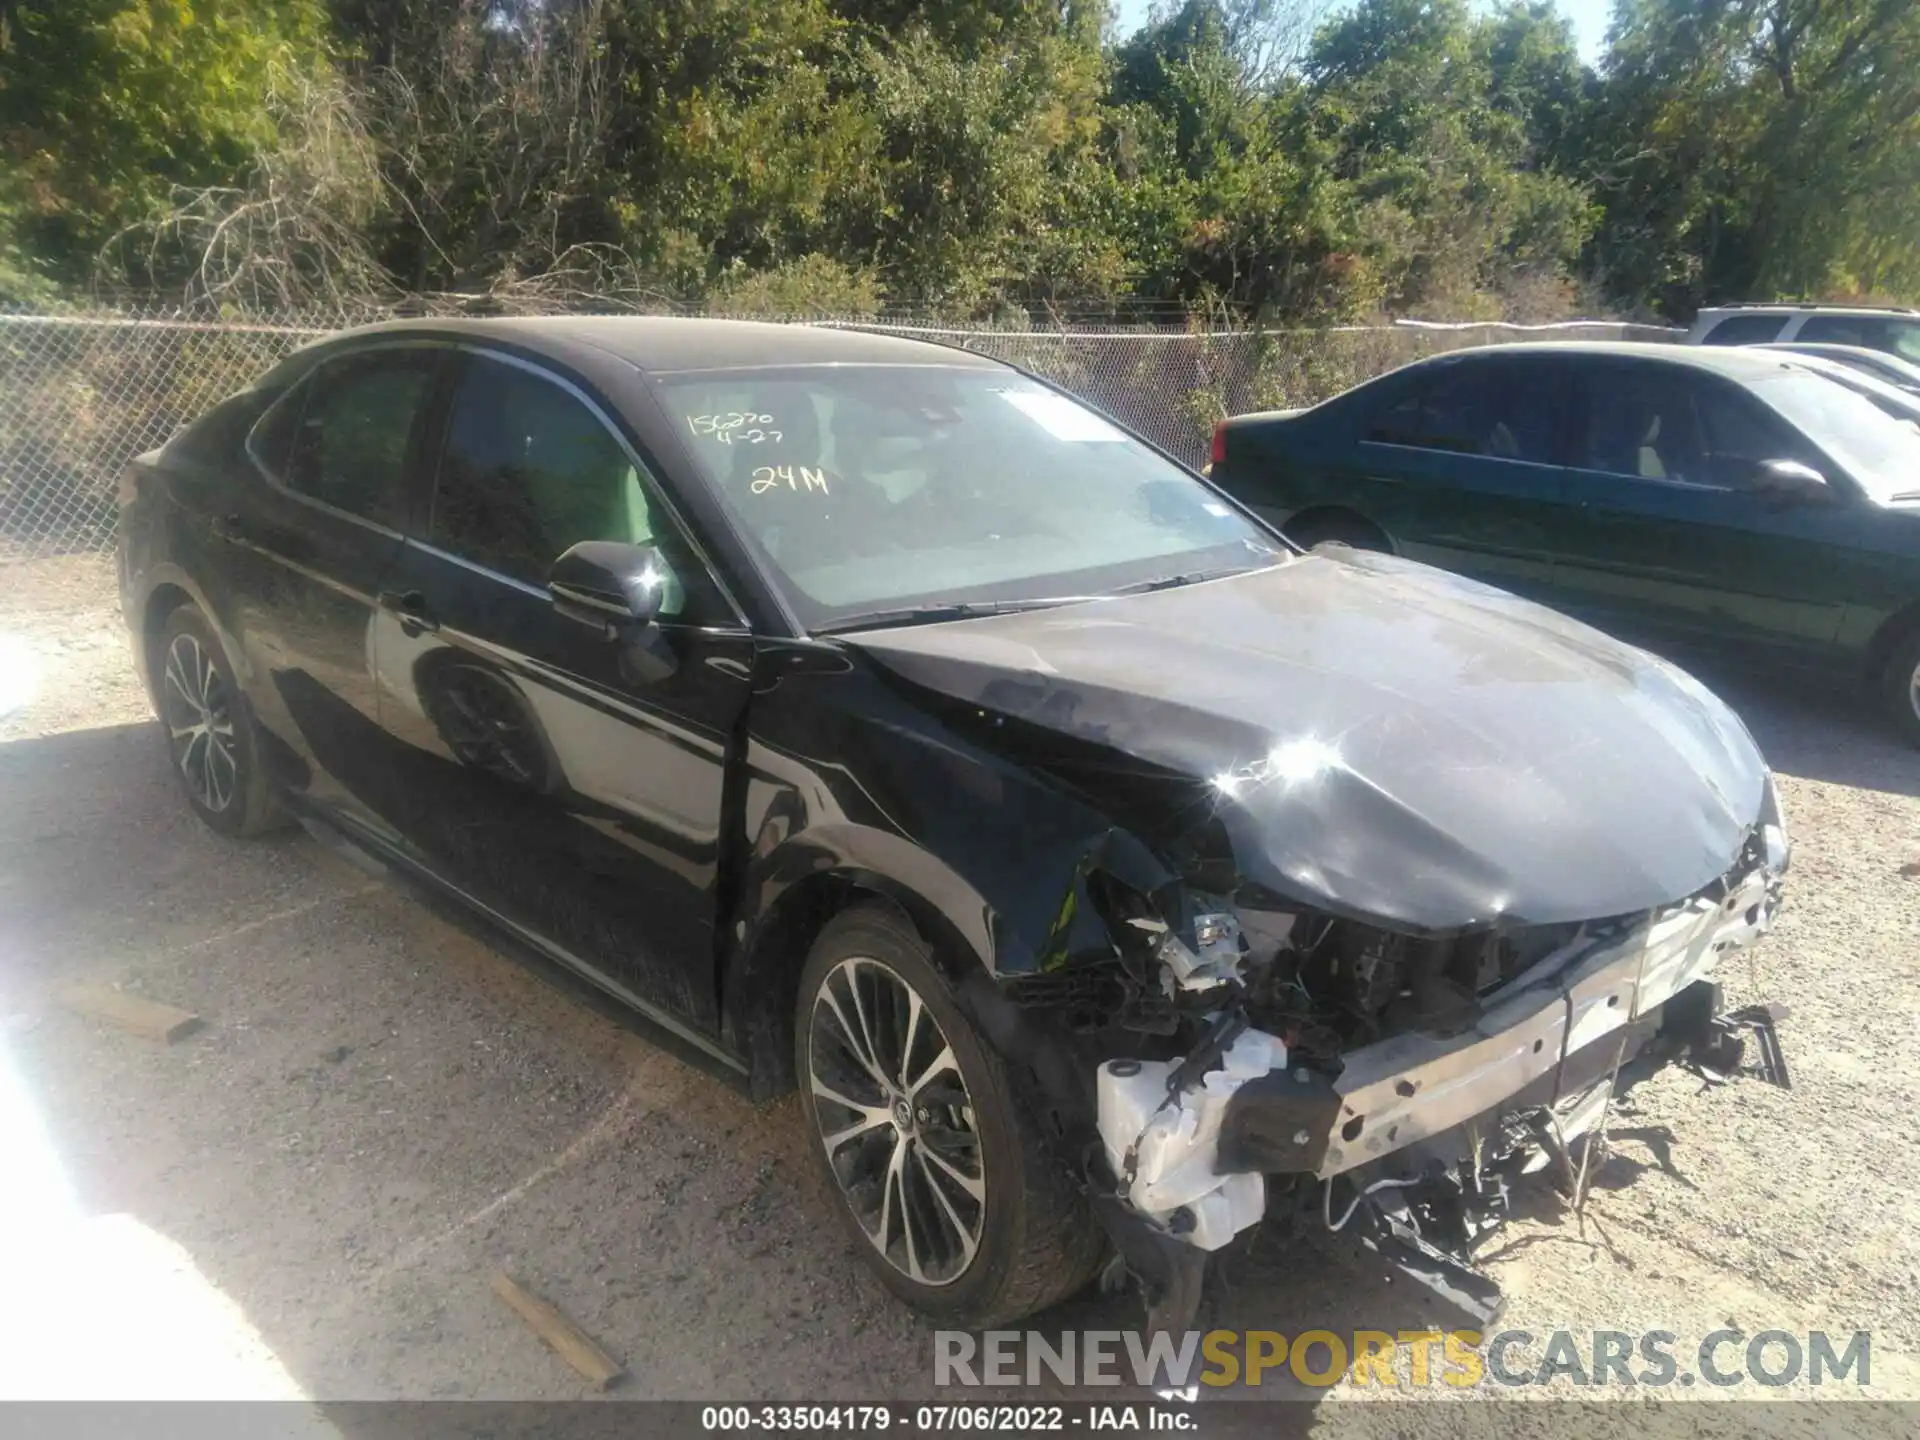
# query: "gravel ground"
{"type": "Point", "coordinates": [380, 1110]}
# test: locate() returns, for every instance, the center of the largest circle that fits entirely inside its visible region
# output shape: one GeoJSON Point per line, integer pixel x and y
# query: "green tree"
{"type": "Point", "coordinates": [106, 106]}
{"type": "Point", "coordinates": [1750, 148]}
{"type": "Point", "coordinates": [1432, 113]}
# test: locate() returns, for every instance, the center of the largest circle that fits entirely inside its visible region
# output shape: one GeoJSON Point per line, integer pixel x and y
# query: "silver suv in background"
{"type": "Point", "coordinates": [1895, 330]}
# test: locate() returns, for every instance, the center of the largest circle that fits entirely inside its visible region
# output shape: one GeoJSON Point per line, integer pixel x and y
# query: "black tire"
{"type": "Point", "coordinates": [1037, 1241]}
{"type": "Point", "coordinates": [1899, 687]}
{"type": "Point", "coordinates": [212, 747]}
{"type": "Point", "coordinates": [1314, 531]}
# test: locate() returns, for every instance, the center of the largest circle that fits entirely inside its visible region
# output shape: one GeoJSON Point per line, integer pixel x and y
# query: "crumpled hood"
{"type": "Point", "coordinates": [1384, 739]}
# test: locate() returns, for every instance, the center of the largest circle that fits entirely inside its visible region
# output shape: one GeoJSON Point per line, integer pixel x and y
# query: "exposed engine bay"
{"type": "Point", "coordinates": [1260, 1057]}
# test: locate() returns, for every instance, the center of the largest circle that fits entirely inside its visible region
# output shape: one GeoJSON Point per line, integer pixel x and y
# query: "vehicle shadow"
{"type": "Point", "coordinates": [1817, 731]}
{"type": "Point", "coordinates": [376, 1112]}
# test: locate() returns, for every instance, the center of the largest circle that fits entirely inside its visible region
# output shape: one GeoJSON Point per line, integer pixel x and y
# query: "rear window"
{"type": "Point", "coordinates": [1502, 411]}
{"type": "Point", "coordinates": [341, 436]}
{"type": "Point", "coordinates": [1745, 330]}
{"type": "Point", "coordinates": [216, 437]}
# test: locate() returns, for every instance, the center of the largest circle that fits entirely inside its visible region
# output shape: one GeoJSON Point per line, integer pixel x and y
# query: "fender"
{"type": "Point", "coordinates": [137, 605]}
{"type": "Point", "coordinates": [870, 859]}
{"type": "Point", "coordinates": [788, 894]}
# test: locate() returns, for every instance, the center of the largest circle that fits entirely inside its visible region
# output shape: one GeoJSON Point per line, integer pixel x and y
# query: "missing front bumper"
{"type": "Point", "coordinates": [1399, 1092]}
{"type": "Point", "coordinates": [1420, 1138]}
{"type": "Point", "coordinates": [1426, 1208]}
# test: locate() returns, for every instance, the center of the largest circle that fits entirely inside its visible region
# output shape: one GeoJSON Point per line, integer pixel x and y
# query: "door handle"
{"type": "Point", "coordinates": [410, 608]}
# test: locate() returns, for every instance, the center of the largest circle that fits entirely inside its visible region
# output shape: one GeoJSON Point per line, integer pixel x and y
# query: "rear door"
{"type": "Point", "coordinates": [1675, 543]}
{"type": "Point", "coordinates": [303, 545]}
{"type": "Point", "coordinates": [1463, 470]}
{"type": "Point", "coordinates": [567, 783]}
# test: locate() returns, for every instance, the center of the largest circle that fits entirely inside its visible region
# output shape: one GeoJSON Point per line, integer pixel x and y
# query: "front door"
{"type": "Point", "coordinates": [1464, 473]}
{"type": "Point", "coordinates": [307, 537]}
{"type": "Point", "coordinates": [1674, 543]}
{"type": "Point", "coordinates": [565, 781]}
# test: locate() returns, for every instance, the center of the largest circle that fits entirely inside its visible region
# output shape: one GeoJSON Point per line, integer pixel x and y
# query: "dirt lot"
{"type": "Point", "coordinates": [379, 1110]}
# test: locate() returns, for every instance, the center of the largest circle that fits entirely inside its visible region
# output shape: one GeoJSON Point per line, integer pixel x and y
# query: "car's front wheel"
{"type": "Point", "coordinates": [210, 737]}
{"type": "Point", "coordinates": [1900, 687]}
{"type": "Point", "coordinates": [941, 1176]}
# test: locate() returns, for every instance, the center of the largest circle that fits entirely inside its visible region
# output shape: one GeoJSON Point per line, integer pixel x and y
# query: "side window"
{"type": "Point", "coordinates": [343, 434]}
{"type": "Point", "coordinates": [1740, 433]}
{"type": "Point", "coordinates": [1504, 412]}
{"type": "Point", "coordinates": [1867, 331]}
{"type": "Point", "coordinates": [1660, 423]}
{"type": "Point", "coordinates": [1641, 422]}
{"type": "Point", "coordinates": [270, 441]}
{"type": "Point", "coordinates": [1399, 423]}
{"type": "Point", "coordinates": [1746, 330]}
{"type": "Point", "coordinates": [528, 471]}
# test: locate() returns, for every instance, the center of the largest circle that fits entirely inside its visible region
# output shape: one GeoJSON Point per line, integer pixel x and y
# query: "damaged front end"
{"type": "Point", "coordinates": [1400, 880]}
{"type": "Point", "coordinates": [1394, 1088]}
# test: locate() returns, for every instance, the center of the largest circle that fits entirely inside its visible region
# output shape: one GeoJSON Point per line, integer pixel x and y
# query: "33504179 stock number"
{"type": "Point", "coordinates": [919, 1419]}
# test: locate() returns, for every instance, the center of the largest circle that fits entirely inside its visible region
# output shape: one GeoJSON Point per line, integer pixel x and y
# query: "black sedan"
{"type": "Point", "coordinates": [1722, 500]}
{"type": "Point", "coordinates": [869, 716]}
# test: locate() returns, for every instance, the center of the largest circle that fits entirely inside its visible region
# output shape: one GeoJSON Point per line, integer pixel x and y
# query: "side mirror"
{"type": "Point", "coordinates": [1790, 481]}
{"type": "Point", "coordinates": [613, 587]}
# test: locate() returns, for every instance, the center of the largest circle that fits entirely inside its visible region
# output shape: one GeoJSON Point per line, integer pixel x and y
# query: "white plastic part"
{"type": "Point", "coordinates": [1223, 1214]}
{"type": "Point", "coordinates": [1173, 1144]}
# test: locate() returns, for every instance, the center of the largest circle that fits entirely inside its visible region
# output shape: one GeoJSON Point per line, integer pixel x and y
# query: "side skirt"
{"type": "Point", "coordinates": [556, 965]}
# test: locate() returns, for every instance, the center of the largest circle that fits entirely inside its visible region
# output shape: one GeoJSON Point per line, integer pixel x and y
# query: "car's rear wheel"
{"type": "Point", "coordinates": [941, 1177]}
{"type": "Point", "coordinates": [1312, 531]}
{"type": "Point", "coordinates": [210, 736]}
{"type": "Point", "coordinates": [1900, 687]}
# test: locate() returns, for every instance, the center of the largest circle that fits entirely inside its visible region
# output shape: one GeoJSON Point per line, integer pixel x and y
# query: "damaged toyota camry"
{"type": "Point", "coordinates": [874, 720]}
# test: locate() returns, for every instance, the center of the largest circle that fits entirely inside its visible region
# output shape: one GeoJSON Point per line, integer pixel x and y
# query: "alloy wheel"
{"type": "Point", "coordinates": [198, 711]}
{"type": "Point", "coordinates": [896, 1122]}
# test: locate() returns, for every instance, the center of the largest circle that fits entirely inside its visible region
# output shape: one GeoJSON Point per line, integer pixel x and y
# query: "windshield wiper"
{"type": "Point", "coordinates": [944, 610]}
{"type": "Point", "coordinates": [1191, 577]}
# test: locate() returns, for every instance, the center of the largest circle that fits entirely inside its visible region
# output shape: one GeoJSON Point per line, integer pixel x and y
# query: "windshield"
{"type": "Point", "coordinates": [1879, 450]}
{"type": "Point", "coordinates": [880, 488]}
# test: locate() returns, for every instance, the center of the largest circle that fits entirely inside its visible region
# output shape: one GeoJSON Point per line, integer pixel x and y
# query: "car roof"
{"type": "Point", "coordinates": [1859, 381]}
{"type": "Point", "coordinates": [1879, 359]}
{"type": "Point", "coordinates": [667, 343]}
{"type": "Point", "coordinates": [1738, 362]}
{"type": "Point", "coordinates": [1820, 347]}
{"type": "Point", "coordinates": [1790, 307]}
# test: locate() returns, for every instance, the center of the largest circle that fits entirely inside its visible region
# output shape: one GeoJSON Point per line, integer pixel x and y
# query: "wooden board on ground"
{"type": "Point", "coordinates": [143, 1017]}
{"type": "Point", "coordinates": [566, 1339]}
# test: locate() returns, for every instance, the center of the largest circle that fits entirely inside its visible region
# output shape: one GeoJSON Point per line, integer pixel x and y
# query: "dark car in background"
{"type": "Point", "coordinates": [1692, 498]}
{"type": "Point", "coordinates": [870, 717]}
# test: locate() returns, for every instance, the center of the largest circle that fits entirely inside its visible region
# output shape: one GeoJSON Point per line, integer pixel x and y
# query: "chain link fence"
{"type": "Point", "coordinates": [82, 394]}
